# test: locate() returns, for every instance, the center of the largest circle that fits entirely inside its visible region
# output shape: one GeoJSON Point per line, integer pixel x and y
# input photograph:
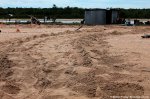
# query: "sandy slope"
{"type": "Point", "coordinates": [94, 63]}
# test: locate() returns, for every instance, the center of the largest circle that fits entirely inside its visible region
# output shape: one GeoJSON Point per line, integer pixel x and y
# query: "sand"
{"type": "Point", "coordinates": [57, 62]}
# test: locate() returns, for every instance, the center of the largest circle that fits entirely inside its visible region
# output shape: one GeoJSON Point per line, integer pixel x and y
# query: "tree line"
{"type": "Point", "coordinates": [67, 12]}
{"type": "Point", "coordinates": [134, 13]}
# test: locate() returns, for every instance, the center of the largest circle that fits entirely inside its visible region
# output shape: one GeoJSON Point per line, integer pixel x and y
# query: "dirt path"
{"type": "Point", "coordinates": [84, 64]}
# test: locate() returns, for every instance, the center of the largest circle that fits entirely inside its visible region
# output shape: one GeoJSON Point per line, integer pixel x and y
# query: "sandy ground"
{"type": "Point", "coordinates": [56, 62]}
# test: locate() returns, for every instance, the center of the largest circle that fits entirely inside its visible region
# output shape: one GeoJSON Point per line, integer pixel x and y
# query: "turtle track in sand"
{"type": "Point", "coordinates": [63, 65]}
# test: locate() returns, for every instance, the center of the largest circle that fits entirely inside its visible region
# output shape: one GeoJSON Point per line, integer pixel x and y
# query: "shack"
{"type": "Point", "coordinates": [100, 16]}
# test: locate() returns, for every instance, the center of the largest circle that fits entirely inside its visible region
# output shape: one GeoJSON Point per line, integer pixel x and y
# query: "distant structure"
{"type": "Point", "coordinates": [100, 16]}
{"type": "Point", "coordinates": [34, 20]}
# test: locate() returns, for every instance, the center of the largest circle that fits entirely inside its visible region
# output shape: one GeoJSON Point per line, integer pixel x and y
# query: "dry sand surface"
{"type": "Point", "coordinates": [56, 62]}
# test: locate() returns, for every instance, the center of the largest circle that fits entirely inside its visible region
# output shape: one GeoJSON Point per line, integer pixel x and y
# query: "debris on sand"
{"type": "Point", "coordinates": [34, 20]}
{"type": "Point", "coordinates": [79, 28]}
{"type": "Point", "coordinates": [18, 30]}
{"type": "Point", "coordinates": [146, 36]}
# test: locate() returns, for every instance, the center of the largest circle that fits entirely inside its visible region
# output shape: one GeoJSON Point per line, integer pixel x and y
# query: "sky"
{"type": "Point", "coordinates": [76, 3]}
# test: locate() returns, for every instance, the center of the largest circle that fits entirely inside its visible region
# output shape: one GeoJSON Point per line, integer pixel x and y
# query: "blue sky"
{"type": "Point", "coordinates": [77, 3]}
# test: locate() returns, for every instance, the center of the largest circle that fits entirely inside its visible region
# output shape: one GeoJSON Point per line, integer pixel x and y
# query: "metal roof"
{"type": "Point", "coordinates": [98, 9]}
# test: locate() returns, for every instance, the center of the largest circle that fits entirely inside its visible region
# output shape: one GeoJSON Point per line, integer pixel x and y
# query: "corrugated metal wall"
{"type": "Point", "coordinates": [89, 17]}
{"type": "Point", "coordinates": [100, 17]}
{"type": "Point", "coordinates": [95, 17]}
{"type": "Point", "coordinates": [114, 17]}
